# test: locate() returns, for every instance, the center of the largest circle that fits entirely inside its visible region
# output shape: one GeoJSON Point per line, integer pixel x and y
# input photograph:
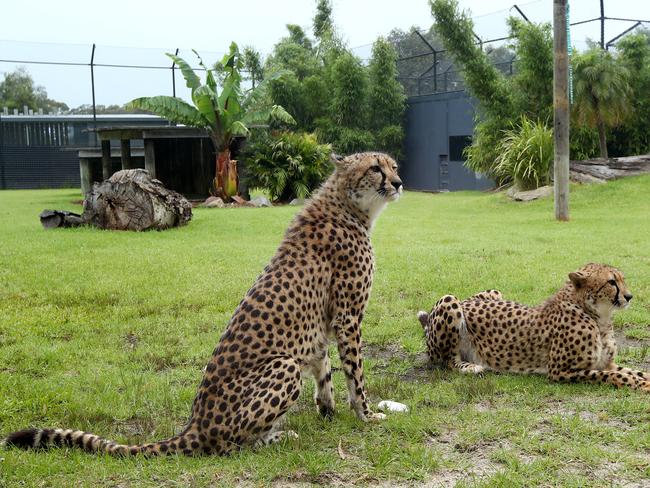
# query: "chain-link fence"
{"type": "Point", "coordinates": [425, 67]}
{"type": "Point", "coordinates": [107, 77]}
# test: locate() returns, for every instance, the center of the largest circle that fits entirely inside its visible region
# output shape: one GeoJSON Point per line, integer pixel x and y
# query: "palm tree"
{"type": "Point", "coordinates": [222, 115]}
{"type": "Point", "coordinates": [602, 92]}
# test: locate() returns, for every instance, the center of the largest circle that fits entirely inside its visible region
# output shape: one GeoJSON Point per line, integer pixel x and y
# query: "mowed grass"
{"type": "Point", "coordinates": [108, 332]}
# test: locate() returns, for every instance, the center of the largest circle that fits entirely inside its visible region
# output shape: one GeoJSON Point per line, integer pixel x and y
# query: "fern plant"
{"type": "Point", "coordinates": [287, 165]}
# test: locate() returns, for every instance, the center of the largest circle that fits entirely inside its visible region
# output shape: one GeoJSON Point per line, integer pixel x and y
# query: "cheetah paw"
{"type": "Point", "coordinates": [375, 417]}
{"type": "Point", "coordinates": [290, 435]}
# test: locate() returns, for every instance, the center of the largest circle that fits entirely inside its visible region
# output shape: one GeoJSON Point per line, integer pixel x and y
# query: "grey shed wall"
{"type": "Point", "coordinates": [437, 128]}
{"type": "Point", "coordinates": [41, 151]}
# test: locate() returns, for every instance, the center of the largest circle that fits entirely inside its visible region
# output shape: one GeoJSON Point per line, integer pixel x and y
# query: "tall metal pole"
{"type": "Point", "coordinates": [3, 183]}
{"type": "Point", "coordinates": [602, 24]}
{"type": "Point", "coordinates": [174, 75]}
{"type": "Point", "coordinates": [92, 82]}
{"type": "Point", "coordinates": [561, 109]}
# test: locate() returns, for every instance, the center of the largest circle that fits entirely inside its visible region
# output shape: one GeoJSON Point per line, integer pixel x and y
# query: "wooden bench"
{"type": "Point", "coordinates": [95, 166]}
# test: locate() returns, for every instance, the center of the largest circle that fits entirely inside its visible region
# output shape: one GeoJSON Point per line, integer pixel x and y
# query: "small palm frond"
{"type": "Point", "coordinates": [173, 109]}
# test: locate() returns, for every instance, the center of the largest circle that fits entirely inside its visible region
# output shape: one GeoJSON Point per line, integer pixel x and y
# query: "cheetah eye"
{"type": "Point", "coordinates": [612, 282]}
{"type": "Point", "coordinates": [376, 169]}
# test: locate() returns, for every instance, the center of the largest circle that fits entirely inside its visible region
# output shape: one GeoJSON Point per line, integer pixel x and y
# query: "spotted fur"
{"type": "Point", "coordinates": [569, 337]}
{"type": "Point", "coordinates": [316, 287]}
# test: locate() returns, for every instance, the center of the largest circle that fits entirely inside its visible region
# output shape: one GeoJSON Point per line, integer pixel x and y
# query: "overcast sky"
{"type": "Point", "coordinates": [140, 31]}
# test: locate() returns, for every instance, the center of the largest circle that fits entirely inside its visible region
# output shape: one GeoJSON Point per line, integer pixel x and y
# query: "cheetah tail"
{"type": "Point", "coordinates": [47, 438]}
{"type": "Point", "coordinates": [423, 317]}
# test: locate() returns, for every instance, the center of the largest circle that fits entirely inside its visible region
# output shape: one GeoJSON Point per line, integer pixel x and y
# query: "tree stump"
{"type": "Point", "coordinates": [132, 200]}
{"type": "Point", "coordinates": [60, 218]}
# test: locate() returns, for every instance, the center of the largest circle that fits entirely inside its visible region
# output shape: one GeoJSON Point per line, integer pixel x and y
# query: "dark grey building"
{"type": "Point", "coordinates": [41, 151]}
{"type": "Point", "coordinates": [438, 128]}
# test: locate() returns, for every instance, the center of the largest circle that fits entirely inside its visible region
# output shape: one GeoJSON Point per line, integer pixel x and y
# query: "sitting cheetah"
{"type": "Point", "coordinates": [569, 337]}
{"type": "Point", "coordinates": [316, 287]}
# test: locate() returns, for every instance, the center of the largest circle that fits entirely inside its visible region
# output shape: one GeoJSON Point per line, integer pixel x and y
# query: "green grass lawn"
{"type": "Point", "coordinates": [108, 332]}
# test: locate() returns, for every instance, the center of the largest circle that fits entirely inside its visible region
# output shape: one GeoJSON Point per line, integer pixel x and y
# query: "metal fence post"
{"type": "Point", "coordinates": [92, 82]}
{"type": "Point", "coordinates": [3, 183]}
{"type": "Point", "coordinates": [435, 71]}
{"type": "Point", "coordinates": [174, 75]}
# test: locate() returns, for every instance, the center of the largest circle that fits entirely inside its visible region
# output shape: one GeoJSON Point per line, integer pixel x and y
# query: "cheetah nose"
{"type": "Point", "coordinates": [628, 296]}
{"type": "Point", "coordinates": [396, 184]}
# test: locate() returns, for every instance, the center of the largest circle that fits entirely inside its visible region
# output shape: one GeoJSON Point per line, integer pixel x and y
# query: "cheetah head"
{"type": "Point", "coordinates": [370, 180]}
{"type": "Point", "coordinates": [601, 288]}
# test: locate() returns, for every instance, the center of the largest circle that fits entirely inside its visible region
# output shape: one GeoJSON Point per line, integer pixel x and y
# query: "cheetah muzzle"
{"type": "Point", "coordinates": [316, 287]}
{"type": "Point", "coordinates": [569, 337]}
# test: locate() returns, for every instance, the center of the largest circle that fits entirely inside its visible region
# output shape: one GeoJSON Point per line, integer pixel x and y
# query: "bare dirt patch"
{"type": "Point", "coordinates": [635, 351]}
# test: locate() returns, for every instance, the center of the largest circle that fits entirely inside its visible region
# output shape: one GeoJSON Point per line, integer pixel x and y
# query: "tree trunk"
{"type": "Point", "coordinates": [132, 200]}
{"type": "Point", "coordinates": [560, 110]}
{"type": "Point", "coordinates": [602, 140]}
{"type": "Point", "coordinates": [227, 179]}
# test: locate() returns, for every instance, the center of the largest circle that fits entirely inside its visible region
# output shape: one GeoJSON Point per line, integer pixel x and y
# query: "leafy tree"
{"type": "Point", "coordinates": [634, 136]}
{"type": "Point", "coordinates": [223, 115]}
{"type": "Point", "coordinates": [328, 89]}
{"type": "Point", "coordinates": [298, 36]}
{"type": "Point", "coordinates": [486, 83]}
{"type": "Point", "coordinates": [387, 100]}
{"type": "Point", "coordinates": [18, 90]}
{"type": "Point", "coordinates": [601, 92]}
{"type": "Point", "coordinates": [292, 54]}
{"type": "Point", "coordinates": [533, 87]}
{"type": "Point", "coordinates": [323, 25]}
{"type": "Point", "coordinates": [349, 91]}
{"type": "Point", "coordinates": [386, 97]}
{"type": "Point", "coordinates": [253, 64]}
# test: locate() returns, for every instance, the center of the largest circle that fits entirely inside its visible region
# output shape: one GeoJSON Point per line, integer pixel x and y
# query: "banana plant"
{"type": "Point", "coordinates": [224, 110]}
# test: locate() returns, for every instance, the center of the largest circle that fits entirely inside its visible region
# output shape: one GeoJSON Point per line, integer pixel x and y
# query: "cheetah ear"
{"type": "Point", "coordinates": [423, 317]}
{"type": "Point", "coordinates": [338, 160]}
{"type": "Point", "coordinates": [578, 279]}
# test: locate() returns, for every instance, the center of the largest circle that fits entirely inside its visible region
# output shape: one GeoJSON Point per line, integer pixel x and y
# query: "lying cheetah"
{"type": "Point", "coordinates": [569, 337]}
{"type": "Point", "coordinates": [316, 287]}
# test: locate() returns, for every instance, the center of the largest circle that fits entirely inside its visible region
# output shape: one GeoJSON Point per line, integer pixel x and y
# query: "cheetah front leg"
{"type": "Point", "coordinates": [568, 363]}
{"type": "Point", "coordinates": [635, 379]}
{"type": "Point", "coordinates": [324, 392]}
{"type": "Point", "coordinates": [348, 338]}
{"type": "Point", "coordinates": [621, 369]}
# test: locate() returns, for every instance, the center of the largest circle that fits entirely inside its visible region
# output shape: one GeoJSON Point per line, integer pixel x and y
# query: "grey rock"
{"type": "Point", "coordinates": [527, 196]}
{"type": "Point", "coordinates": [261, 202]}
{"type": "Point", "coordinates": [213, 202]}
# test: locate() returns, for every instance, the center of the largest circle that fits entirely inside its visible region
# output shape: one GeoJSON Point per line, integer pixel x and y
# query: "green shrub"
{"type": "Point", "coordinates": [483, 152]}
{"type": "Point", "coordinates": [287, 165]}
{"type": "Point", "coordinates": [526, 154]}
{"type": "Point", "coordinates": [583, 142]}
{"type": "Point", "coordinates": [344, 140]}
{"type": "Point", "coordinates": [354, 140]}
{"type": "Point", "coordinates": [391, 139]}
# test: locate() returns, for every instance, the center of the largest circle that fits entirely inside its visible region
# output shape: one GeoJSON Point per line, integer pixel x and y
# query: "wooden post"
{"type": "Point", "coordinates": [150, 157]}
{"type": "Point", "coordinates": [86, 175]}
{"type": "Point", "coordinates": [125, 148]}
{"type": "Point", "coordinates": [107, 164]}
{"type": "Point", "coordinates": [561, 110]}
